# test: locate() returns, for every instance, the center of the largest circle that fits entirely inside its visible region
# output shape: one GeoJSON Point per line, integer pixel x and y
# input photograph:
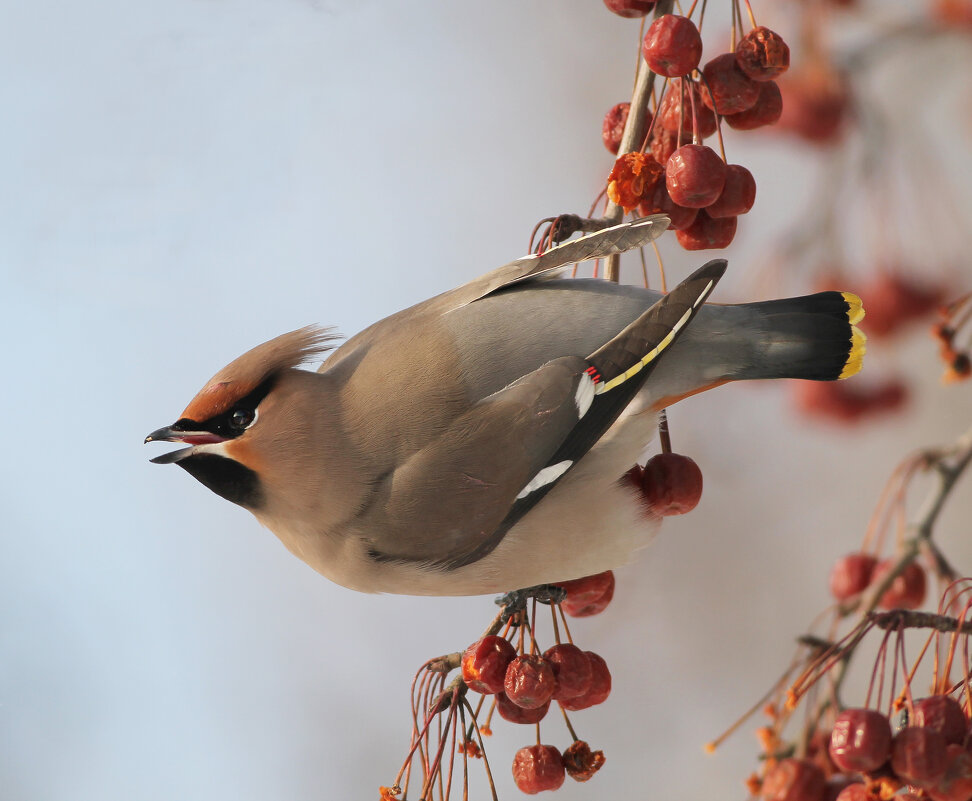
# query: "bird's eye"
{"type": "Point", "coordinates": [242, 419]}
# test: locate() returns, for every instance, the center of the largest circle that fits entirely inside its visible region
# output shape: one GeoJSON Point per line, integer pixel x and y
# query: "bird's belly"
{"type": "Point", "coordinates": [590, 522]}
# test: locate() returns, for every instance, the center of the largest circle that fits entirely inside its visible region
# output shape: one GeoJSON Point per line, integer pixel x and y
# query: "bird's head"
{"type": "Point", "coordinates": [242, 416]}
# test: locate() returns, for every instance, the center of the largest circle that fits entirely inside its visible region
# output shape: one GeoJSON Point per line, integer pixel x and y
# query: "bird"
{"type": "Point", "coordinates": [474, 443]}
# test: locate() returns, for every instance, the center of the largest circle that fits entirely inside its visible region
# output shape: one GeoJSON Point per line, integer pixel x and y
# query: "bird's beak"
{"type": "Point", "coordinates": [173, 434]}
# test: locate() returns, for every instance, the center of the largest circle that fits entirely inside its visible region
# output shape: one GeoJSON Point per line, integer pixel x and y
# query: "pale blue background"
{"type": "Point", "coordinates": [180, 181]}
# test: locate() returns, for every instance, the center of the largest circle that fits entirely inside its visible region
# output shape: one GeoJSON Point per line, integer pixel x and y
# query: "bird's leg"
{"type": "Point", "coordinates": [515, 601]}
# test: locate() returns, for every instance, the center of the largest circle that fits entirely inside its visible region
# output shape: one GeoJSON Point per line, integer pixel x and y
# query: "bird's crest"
{"type": "Point", "coordinates": [243, 375]}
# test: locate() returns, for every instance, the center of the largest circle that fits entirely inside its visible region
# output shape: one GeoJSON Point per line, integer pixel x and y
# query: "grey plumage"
{"type": "Point", "coordinates": [467, 444]}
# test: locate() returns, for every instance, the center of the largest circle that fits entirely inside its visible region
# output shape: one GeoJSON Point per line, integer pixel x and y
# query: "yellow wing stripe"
{"type": "Point", "coordinates": [648, 357]}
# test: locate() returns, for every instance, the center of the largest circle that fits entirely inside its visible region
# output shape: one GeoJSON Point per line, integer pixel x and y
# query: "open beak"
{"type": "Point", "coordinates": [173, 434]}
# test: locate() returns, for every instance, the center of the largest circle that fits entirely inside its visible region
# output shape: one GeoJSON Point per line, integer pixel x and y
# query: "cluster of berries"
{"type": "Point", "coordinates": [929, 757]}
{"type": "Point", "coordinates": [674, 173]}
{"type": "Point", "coordinates": [524, 684]}
{"type": "Point", "coordinates": [855, 572]}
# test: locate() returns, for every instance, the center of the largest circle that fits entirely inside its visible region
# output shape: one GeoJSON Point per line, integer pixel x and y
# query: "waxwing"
{"type": "Point", "coordinates": [473, 443]}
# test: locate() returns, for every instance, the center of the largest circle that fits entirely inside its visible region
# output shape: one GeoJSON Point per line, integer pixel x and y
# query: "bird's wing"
{"type": "Point", "coordinates": [451, 503]}
{"type": "Point", "coordinates": [598, 245]}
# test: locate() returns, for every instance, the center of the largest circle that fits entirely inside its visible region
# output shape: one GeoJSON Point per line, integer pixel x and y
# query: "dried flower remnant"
{"type": "Point", "coordinates": [633, 175]}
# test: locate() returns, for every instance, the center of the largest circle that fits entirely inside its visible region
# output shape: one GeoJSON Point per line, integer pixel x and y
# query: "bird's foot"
{"type": "Point", "coordinates": [515, 601]}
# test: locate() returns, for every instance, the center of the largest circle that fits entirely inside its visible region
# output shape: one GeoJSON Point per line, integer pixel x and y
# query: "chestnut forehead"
{"type": "Point", "coordinates": [216, 398]}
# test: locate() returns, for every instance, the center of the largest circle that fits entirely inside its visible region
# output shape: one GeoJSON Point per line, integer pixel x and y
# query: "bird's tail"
{"type": "Point", "coordinates": [814, 337]}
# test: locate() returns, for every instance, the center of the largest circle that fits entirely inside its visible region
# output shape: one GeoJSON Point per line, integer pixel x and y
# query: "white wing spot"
{"type": "Point", "coordinates": [584, 396]}
{"type": "Point", "coordinates": [546, 476]}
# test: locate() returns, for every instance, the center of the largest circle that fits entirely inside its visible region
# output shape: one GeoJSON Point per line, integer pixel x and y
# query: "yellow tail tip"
{"type": "Point", "coordinates": [855, 309]}
{"type": "Point", "coordinates": [855, 359]}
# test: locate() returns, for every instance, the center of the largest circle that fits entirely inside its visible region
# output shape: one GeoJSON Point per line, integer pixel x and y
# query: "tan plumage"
{"type": "Point", "coordinates": [473, 443]}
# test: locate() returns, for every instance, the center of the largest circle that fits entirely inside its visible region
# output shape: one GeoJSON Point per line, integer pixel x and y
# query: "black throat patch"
{"type": "Point", "coordinates": [226, 477]}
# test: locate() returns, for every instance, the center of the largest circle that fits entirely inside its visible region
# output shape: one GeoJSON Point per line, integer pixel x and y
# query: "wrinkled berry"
{"type": "Point", "coordinates": [529, 681]}
{"type": "Point", "coordinates": [672, 46]}
{"type": "Point", "coordinates": [765, 111]}
{"type": "Point", "coordinates": [762, 54]}
{"type": "Point", "coordinates": [599, 689]}
{"type": "Point", "coordinates": [738, 195]}
{"type": "Point", "coordinates": [695, 176]}
{"type": "Point", "coordinates": [726, 88]}
{"type": "Point", "coordinates": [484, 664]}
{"type": "Point", "coordinates": [571, 668]}
{"type": "Point", "coordinates": [538, 767]}
{"type": "Point", "coordinates": [517, 714]}
{"type": "Point", "coordinates": [707, 233]}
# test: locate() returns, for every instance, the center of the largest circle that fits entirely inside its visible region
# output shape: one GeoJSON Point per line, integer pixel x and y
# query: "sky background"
{"type": "Point", "coordinates": [184, 180]}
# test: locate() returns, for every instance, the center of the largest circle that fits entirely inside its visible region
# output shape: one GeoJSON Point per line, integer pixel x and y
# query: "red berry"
{"type": "Point", "coordinates": [956, 783]}
{"type": "Point", "coordinates": [599, 689]}
{"type": "Point", "coordinates": [847, 404]}
{"type": "Point", "coordinates": [664, 143]}
{"type": "Point", "coordinates": [581, 763]}
{"type": "Point", "coordinates": [815, 104]}
{"type": "Point", "coordinates": [612, 128]}
{"type": "Point", "coordinates": [589, 609]}
{"type": "Point", "coordinates": [695, 176]}
{"type": "Point", "coordinates": [726, 88]}
{"type": "Point", "coordinates": [907, 591]}
{"type": "Point", "coordinates": [587, 591]}
{"type": "Point", "coordinates": [706, 233]}
{"type": "Point", "coordinates": [943, 714]}
{"type": "Point", "coordinates": [673, 484]}
{"type": "Point", "coordinates": [851, 575]}
{"type": "Point", "coordinates": [860, 741]}
{"type": "Point", "coordinates": [517, 714]}
{"type": "Point", "coordinates": [538, 767]}
{"type": "Point", "coordinates": [856, 791]}
{"type": "Point", "coordinates": [677, 107]}
{"type": "Point", "coordinates": [571, 668]}
{"type": "Point", "coordinates": [658, 201]}
{"type": "Point", "coordinates": [530, 681]}
{"type": "Point", "coordinates": [894, 301]}
{"type": "Point", "coordinates": [485, 662]}
{"type": "Point", "coordinates": [672, 46]}
{"type": "Point", "coordinates": [738, 195]}
{"type": "Point", "coordinates": [794, 780]}
{"type": "Point", "coordinates": [918, 755]}
{"type": "Point", "coordinates": [765, 111]}
{"type": "Point", "coordinates": [762, 54]}
{"type": "Point", "coordinates": [630, 9]}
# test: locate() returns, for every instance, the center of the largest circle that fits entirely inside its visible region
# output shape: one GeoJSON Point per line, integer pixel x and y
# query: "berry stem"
{"type": "Point", "coordinates": [661, 268]}
{"type": "Point", "coordinates": [563, 619]}
{"type": "Point", "coordinates": [663, 434]}
{"type": "Point", "coordinates": [556, 628]}
{"type": "Point", "coordinates": [567, 721]}
{"type": "Point", "coordinates": [752, 17]}
{"type": "Point", "coordinates": [482, 749]}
